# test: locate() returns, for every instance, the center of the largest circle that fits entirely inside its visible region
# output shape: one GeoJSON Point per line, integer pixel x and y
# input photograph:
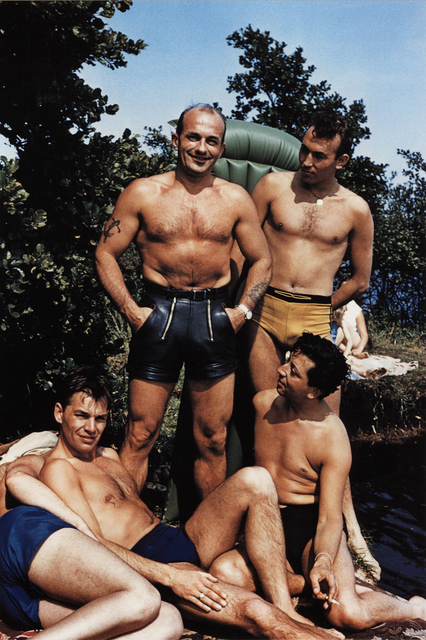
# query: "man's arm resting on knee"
{"type": "Point", "coordinates": [335, 468]}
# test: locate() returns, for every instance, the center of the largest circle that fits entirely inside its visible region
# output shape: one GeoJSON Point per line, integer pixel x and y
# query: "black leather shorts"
{"type": "Point", "coordinates": [190, 327]}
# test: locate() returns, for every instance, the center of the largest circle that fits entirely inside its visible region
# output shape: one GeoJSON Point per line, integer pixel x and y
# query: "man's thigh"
{"type": "Point", "coordinates": [264, 357]}
{"type": "Point", "coordinates": [148, 399]}
{"type": "Point", "coordinates": [74, 569]}
{"type": "Point", "coordinates": [212, 401]}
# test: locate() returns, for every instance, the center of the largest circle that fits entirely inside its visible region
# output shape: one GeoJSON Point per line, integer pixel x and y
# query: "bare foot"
{"type": "Point", "coordinates": [420, 605]}
{"type": "Point", "coordinates": [305, 632]}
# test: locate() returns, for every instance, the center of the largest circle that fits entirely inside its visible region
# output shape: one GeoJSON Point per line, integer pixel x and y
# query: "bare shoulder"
{"type": "Point", "coordinates": [152, 184]}
{"type": "Point", "coordinates": [275, 182]}
{"type": "Point", "coordinates": [264, 399]}
{"type": "Point", "coordinates": [357, 204]}
{"type": "Point", "coordinates": [108, 452]}
{"type": "Point", "coordinates": [231, 190]}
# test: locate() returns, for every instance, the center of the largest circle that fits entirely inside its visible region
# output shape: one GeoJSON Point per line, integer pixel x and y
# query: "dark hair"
{"type": "Point", "coordinates": [202, 107]}
{"type": "Point", "coordinates": [330, 364]}
{"type": "Point", "coordinates": [327, 124]}
{"type": "Point", "coordinates": [86, 380]}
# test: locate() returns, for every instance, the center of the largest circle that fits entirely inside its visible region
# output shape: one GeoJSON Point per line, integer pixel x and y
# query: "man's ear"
{"type": "Point", "coordinates": [222, 150]}
{"type": "Point", "coordinates": [58, 413]}
{"type": "Point", "coordinates": [175, 141]}
{"type": "Point", "coordinates": [341, 161]}
{"type": "Point", "coordinates": [314, 393]}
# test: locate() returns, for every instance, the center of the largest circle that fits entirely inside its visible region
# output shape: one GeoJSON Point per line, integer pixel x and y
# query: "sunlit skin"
{"type": "Point", "coordinates": [306, 449]}
{"type": "Point", "coordinates": [83, 422]}
{"type": "Point", "coordinates": [184, 224]}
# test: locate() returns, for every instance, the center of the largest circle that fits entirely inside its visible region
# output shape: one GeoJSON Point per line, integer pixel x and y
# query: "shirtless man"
{"type": "Point", "coordinates": [95, 485]}
{"type": "Point", "coordinates": [184, 224]}
{"type": "Point", "coordinates": [55, 576]}
{"type": "Point", "coordinates": [305, 447]}
{"type": "Point", "coordinates": [309, 221]}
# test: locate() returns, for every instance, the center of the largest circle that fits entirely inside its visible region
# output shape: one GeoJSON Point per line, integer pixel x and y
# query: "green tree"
{"type": "Point", "coordinates": [53, 203]}
{"type": "Point", "coordinates": [399, 273]}
{"type": "Point", "coordinates": [276, 90]}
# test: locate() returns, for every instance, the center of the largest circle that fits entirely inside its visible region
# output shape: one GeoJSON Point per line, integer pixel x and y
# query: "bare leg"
{"type": "Point", "coordinates": [235, 568]}
{"type": "Point", "coordinates": [362, 607]}
{"type": "Point", "coordinates": [355, 538]}
{"type": "Point", "coordinates": [252, 614]}
{"type": "Point", "coordinates": [147, 403]}
{"type": "Point", "coordinates": [113, 600]}
{"type": "Point", "coordinates": [248, 497]}
{"type": "Point", "coordinates": [264, 357]}
{"type": "Point", "coordinates": [212, 402]}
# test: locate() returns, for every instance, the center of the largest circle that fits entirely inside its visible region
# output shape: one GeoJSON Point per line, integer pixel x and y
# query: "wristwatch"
{"type": "Point", "coordinates": [247, 313]}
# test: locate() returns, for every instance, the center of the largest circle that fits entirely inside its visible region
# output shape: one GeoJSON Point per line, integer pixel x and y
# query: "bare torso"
{"type": "Point", "coordinates": [293, 449]}
{"type": "Point", "coordinates": [307, 241]}
{"type": "Point", "coordinates": [185, 239]}
{"type": "Point", "coordinates": [111, 493]}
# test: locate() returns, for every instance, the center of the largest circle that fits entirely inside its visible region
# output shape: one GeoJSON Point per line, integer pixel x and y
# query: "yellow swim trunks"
{"type": "Point", "coordinates": [285, 316]}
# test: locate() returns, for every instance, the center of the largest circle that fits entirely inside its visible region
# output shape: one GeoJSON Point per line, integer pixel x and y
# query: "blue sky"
{"type": "Point", "coordinates": [374, 50]}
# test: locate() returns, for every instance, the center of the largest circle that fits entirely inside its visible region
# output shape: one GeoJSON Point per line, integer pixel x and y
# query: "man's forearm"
{"type": "Point", "coordinates": [113, 282]}
{"type": "Point", "coordinates": [349, 290]}
{"type": "Point", "coordinates": [258, 279]}
{"type": "Point", "coordinates": [30, 491]}
{"type": "Point", "coordinates": [155, 572]}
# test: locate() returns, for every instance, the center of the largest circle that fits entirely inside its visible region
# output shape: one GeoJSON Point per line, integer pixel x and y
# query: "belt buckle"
{"type": "Point", "coordinates": [199, 295]}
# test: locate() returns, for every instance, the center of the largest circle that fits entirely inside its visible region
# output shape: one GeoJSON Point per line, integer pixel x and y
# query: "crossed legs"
{"type": "Point", "coordinates": [92, 594]}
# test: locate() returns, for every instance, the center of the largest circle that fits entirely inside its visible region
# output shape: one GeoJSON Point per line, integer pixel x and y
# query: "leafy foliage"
{"type": "Point", "coordinates": [399, 282]}
{"type": "Point", "coordinates": [277, 87]}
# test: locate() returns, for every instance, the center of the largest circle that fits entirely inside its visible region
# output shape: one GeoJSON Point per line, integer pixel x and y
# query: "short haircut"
{"type": "Point", "coordinates": [327, 124]}
{"type": "Point", "coordinates": [87, 380]}
{"type": "Point", "coordinates": [202, 107]}
{"type": "Point", "coordinates": [330, 364]}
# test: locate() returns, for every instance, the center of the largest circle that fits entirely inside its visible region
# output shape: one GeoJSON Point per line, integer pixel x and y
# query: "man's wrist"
{"type": "Point", "coordinates": [246, 311]}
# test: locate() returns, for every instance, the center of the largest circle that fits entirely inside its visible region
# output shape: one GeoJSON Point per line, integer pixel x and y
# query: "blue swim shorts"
{"type": "Point", "coordinates": [22, 532]}
{"type": "Point", "coordinates": [167, 544]}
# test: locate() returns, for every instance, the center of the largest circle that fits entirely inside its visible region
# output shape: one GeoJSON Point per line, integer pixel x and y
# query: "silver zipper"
{"type": "Point", "coordinates": [170, 318]}
{"type": "Point", "coordinates": [209, 319]}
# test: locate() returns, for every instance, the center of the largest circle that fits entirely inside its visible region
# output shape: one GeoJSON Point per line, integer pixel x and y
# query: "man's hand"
{"type": "Point", "coordinates": [324, 584]}
{"type": "Point", "coordinates": [139, 317]}
{"type": "Point", "coordinates": [200, 588]}
{"type": "Point", "coordinates": [237, 318]}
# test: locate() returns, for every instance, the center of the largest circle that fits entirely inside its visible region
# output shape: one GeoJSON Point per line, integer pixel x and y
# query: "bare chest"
{"type": "Point", "coordinates": [183, 217]}
{"type": "Point", "coordinates": [104, 486]}
{"type": "Point", "coordinates": [328, 223]}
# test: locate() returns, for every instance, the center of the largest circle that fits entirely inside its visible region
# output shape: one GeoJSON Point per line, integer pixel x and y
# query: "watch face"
{"type": "Point", "coordinates": [248, 315]}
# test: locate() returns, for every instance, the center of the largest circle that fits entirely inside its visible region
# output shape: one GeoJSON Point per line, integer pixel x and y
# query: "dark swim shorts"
{"type": "Point", "coordinates": [300, 525]}
{"type": "Point", "coordinates": [167, 544]}
{"type": "Point", "coordinates": [190, 327]}
{"type": "Point", "coordinates": [22, 532]}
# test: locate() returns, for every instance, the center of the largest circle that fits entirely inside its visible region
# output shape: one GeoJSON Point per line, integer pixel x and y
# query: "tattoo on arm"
{"type": "Point", "coordinates": [107, 230]}
{"type": "Point", "coordinates": [256, 292]}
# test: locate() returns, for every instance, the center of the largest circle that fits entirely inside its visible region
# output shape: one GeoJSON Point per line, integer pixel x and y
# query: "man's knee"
{"type": "Point", "coordinates": [233, 571]}
{"type": "Point", "coordinates": [256, 481]}
{"type": "Point", "coordinates": [210, 439]}
{"type": "Point", "coordinates": [142, 433]}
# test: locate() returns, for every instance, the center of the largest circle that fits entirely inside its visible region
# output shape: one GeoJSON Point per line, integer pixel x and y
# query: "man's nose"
{"type": "Point", "coordinates": [202, 146]}
{"type": "Point", "coordinates": [90, 425]}
{"type": "Point", "coordinates": [307, 160]}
